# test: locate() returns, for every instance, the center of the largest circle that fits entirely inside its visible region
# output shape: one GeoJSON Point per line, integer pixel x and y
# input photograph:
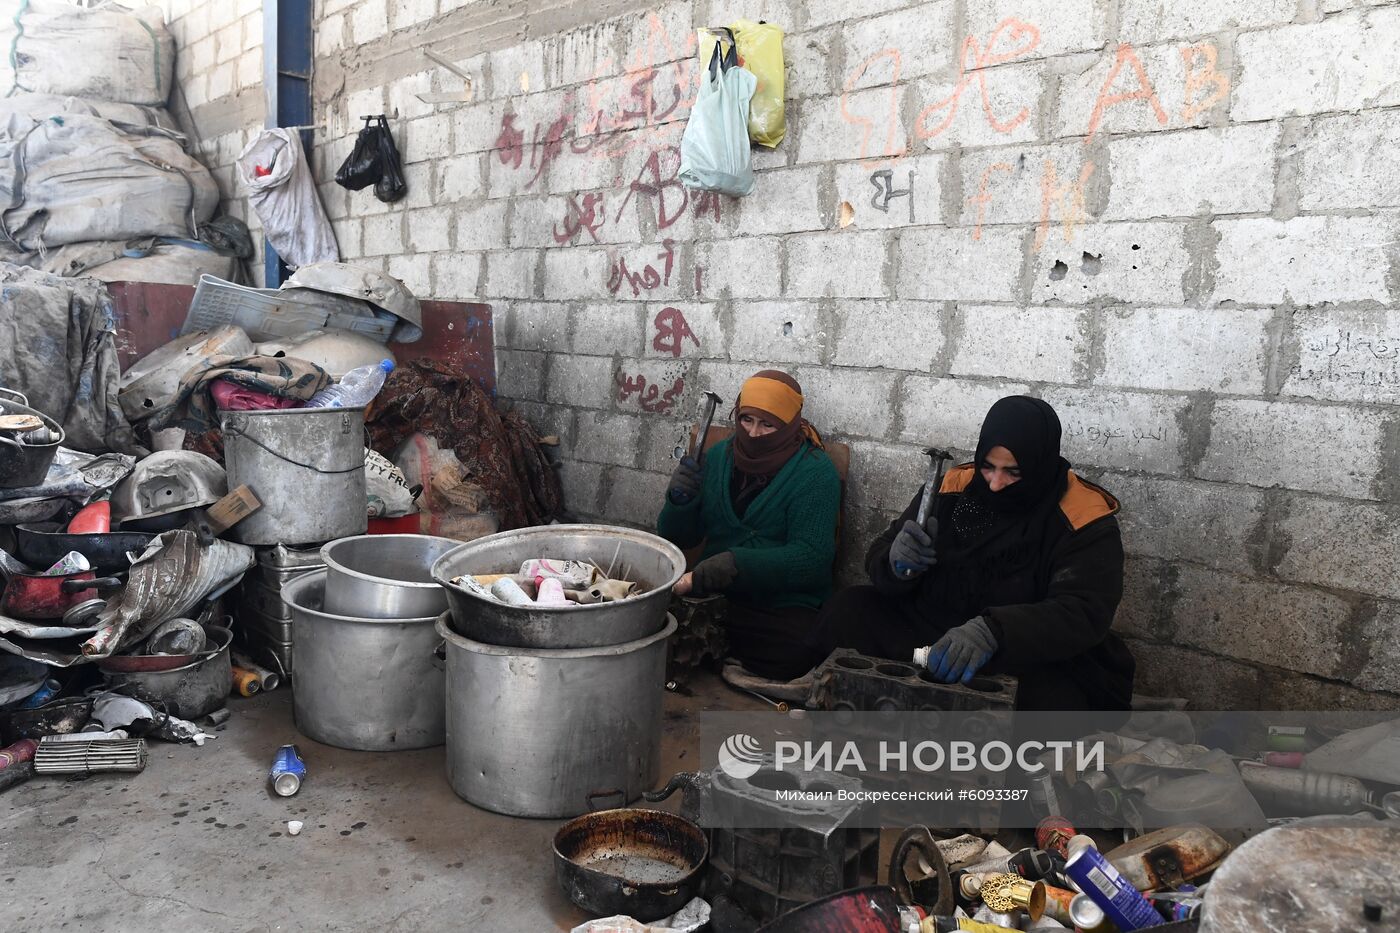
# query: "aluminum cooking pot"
{"type": "Point", "coordinates": [23, 464]}
{"type": "Point", "coordinates": [642, 863]}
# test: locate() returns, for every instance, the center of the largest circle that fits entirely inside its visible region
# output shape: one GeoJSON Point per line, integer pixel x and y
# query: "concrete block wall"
{"type": "Point", "coordinates": [1176, 220]}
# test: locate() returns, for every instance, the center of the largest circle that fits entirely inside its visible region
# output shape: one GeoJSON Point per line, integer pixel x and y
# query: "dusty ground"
{"type": "Point", "coordinates": [198, 842]}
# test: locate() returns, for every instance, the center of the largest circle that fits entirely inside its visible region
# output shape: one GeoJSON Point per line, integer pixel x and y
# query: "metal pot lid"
{"type": "Point", "coordinates": [153, 379]}
{"type": "Point", "coordinates": [379, 289]}
{"type": "Point", "coordinates": [79, 614]}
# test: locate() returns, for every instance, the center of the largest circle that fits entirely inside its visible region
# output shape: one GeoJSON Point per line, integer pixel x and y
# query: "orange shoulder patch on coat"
{"type": "Point", "coordinates": [957, 479]}
{"type": "Point", "coordinates": [1084, 503]}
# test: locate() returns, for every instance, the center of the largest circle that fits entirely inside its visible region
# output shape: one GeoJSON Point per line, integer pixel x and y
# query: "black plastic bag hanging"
{"type": "Point", "coordinates": [391, 185]}
{"type": "Point", "coordinates": [362, 167]}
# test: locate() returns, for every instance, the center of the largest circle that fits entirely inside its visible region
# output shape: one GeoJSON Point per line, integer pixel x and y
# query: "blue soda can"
{"type": "Point", "coordinates": [44, 694]}
{"type": "Point", "coordinates": [1122, 903]}
{"type": "Point", "coordinates": [287, 771]}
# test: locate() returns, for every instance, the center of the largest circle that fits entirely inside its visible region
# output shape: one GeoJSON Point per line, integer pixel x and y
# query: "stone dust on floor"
{"type": "Point", "coordinates": [198, 841]}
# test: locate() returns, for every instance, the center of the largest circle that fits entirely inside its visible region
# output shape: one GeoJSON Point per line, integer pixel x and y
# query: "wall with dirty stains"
{"type": "Point", "coordinates": [1173, 219]}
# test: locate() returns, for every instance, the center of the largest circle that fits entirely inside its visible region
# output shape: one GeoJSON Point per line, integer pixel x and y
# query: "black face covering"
{"type": "Point", "coordinates": [1030, 429]}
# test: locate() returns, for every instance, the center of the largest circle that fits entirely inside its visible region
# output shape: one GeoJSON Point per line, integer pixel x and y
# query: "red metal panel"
{"type": "Point", "coordinates": [457, 333]}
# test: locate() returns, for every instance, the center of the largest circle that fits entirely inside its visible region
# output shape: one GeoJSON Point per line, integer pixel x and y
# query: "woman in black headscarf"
{"type": "Point", "coordinates": [1019, 571]}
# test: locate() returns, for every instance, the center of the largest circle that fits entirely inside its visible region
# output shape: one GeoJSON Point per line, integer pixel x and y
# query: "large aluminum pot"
{"type": "Point", "coordinates": [384, 576]}
{"type": "Point", "coordinates": [306, 466]}
{"type": "Point", "coordinates": [540, 732]}
{"type": "Point", "coordinates": [365, 684]}
{"type": "Point", "coordinates": [652, 562]}
{"type": "Point", "coordinates": [191, 691]}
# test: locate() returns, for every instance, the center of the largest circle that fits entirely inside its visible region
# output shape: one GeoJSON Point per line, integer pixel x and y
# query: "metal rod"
{"type": "Point", "coordinates": [450, 66]}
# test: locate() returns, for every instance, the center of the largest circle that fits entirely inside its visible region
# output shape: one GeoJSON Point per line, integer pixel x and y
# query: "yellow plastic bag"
{"type": "Point", "coordinates": [760, 47]}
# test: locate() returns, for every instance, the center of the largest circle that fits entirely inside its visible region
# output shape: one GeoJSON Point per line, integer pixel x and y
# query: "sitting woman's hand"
{"type": "Point", "coordinates": [684, 585]}
{"type": "Point", "coordinates": [685, 481]}
{"type": "Point", "coordinates": [711, 576]}
{"type": "Point", "coordinates": [960, 653]}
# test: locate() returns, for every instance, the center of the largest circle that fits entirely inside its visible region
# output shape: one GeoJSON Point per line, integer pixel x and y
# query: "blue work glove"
{"type": "Point", "coordinates": [912, 552]}
{"type": "Point", "coordinates": [685, 481]}
{"type": "Point", "coordinates": [962, 651]}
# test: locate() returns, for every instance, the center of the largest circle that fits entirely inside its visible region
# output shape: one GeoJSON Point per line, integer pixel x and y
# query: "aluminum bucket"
{"type": "Point", "coordinates": [365, 684]}
{"type": "Point", "coordinates": [538, 732]}
{"type": "Point", "coordinates": [306, 466]}
{"type": "Point", "coordinates": [385, 576]}
{"type": "Point", "coordinates": [652, 562]}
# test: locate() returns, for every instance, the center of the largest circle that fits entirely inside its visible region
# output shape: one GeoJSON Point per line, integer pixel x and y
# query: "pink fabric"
{"type": "Point", "coordinates": [230, 396]}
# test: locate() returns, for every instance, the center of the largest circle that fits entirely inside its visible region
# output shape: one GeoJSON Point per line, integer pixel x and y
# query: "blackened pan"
{"type": "Point", "coordinates": [642, 863]}
{"type": "Point", "coordinates": [42, 544]}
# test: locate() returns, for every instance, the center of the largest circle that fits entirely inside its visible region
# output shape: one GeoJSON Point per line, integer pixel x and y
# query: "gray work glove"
{"type": "Point", "coordinates": [962, 651]}
{"type": "Point", "coordinates": [685, 481]}
{"type": "Point", "coordinates": [912, 552]}
{"type": "Point", "coordinates": [714, 574]}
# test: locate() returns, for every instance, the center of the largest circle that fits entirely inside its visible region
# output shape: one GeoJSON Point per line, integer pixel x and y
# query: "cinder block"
{"type": "Point", "coordinates": [511, 274]}
{"type": "Point", "coordinates": [821, 12]}
{"type": "Point", "coordinates": [609, 438]}
{"type": "Point", "coordinates": [1209, 682]}
{"type": "Point", "coordinates": [633, 497]}
{"type": "Point", "coordinates": [862, 125]}
{"type": "Point", "coordinates": [949, 412]}
{"type": "Point", "coordinates": [1082, 90]}
{"type": "Point", "coordinates": [1206, 523]}
{"type": "Point", "coordinates": [809, 61]}
{"type": "Point", "coordinates": [885, 476]}
{"type": "Point", "coordinates": [1186, 349]}
{"type": "Point", "coordinates": [1123, 261]}
{"type": "Point", "coordinates": [849, 402]}
{"type": "Point", "coordinates": [457, 276]}
{"type": "Point", "coordinates": [419, 179]}
{"type": "Point", "coordinates": [665, 271]}
{"type": "Point", "coordinates": [1146, 21]}
{"type": "Point", "coordinates": [574, 172]}
{"type": "Point", "coordinates": [905, 335]}
{"type": "Point", "coordinates": [1345, 356]}
{"type": "Point", "coordinates": [250, 68]}
{"type": "Point", "coordinates": [1285, 690]}
{"type": "Point", "coordinates": [925, 34]}
{"type": "Point", "coordinates": [347, 236]}
{"type": "Point", "coordinates": [1055, 26]}
{"type": "Point", "coordinates": [576, 272]}
{"type": "Point", "coordinates": [509, 64]}
{"type": "Point", "coordinates": [1123, 430]}
{"type": "Point", "coordinates": [947, 263]}
{"type": "Point", "coordinates": [651, 387]}
{"type": "Point", "coordinates": [784, 12]}
{"type": "Point", "coordinates": [1316, 448]}
{"type": "Point", "coordinates": [1227, 170]}
{"type": "Point", "coordinates": [404, 103]}
{"type": "Point", "coordinates": [667, 324]}
{"type": "Point", "coordinates": [481, 224]}
{"type": "Point", "coordinates": [430, 230]}
{"type": "Point", "coordinates": [228, 42]}
{"type": "Point", "coordinates": [1298, 69]}
{"type": "Point", "coordinates": [580, 55]}
{"type": "Point", "coordinates": [581, 381]}
{"type": "Point", "coordinates": [608, 327]}
{"type": "Point", "coordinates": [785, 331]}
{"type": "Point", "coordinates": [1348, 545]}
{"type": "Point", "coordinates": [1020, 184]}
{"type": "Point", "coordinates": [549, 420]}
{"type": "Point", "coordinates": [583, 487]}
{"type": "Point", "coordinates": [1307, 260]}
{"type": "Point", "coordinates": [1351, 161]}
{"type": "Point", "coordinates": [426, 138]}
{"type": "Point", "coordinates": [951, 113]}
{"type": "Point", "coordinates": [1293, 627]}
{"type": "Point", "coordinates": [460, 179]}
{"type": "Point", "coordinates": [744, 267]}
{"type": "Point", "coordinates": [908, 193]}
{"type": "Point", "coordinates": [477, 127]}
{"type": "Point", "coordinates": [520, 374]}
{"type": "Point", "coordinates": [383, 234]}
{"type": "Point", "coordinates": [782, 201]}
{"type": "Point", "coordinates": [725, 379]}
{"type": "Point", "coordinates": [1381, 671]}
{"type": "Point", "coordinates": [841, 263]}
{"type": "Point", "coordinates": [414, 272]}
{"type": "Point", "coordinates": [532, 325]}
{"type": "Point", "coordinates": [1030, 344]}
{"type": "Point", "coordinates": [222, 79]}
{"type": "Point", "coordinates": [362, 103]}
{"type": "Point", "coordinates": [368, 22]}
{"type": "Point", "coordinates": [662, 437]}
{"type": "Point", "coordinates": [405, 13]}
{"type": "Point", "coordinates": [1141, 612]}
{"type": "Point", "coordinates": [329, 35]}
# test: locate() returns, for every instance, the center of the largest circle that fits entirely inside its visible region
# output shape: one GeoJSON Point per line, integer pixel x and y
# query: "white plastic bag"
{"type": "Point", "coordinates": [281, 190]}
{"type": "Point", "coordinates": [715, 145]}
{"type": "Point", "coordinates": [386, 488]}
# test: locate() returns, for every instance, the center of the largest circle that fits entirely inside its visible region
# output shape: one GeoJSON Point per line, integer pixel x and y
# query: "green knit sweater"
{"type": "Point", "coordinates": [784, 545]}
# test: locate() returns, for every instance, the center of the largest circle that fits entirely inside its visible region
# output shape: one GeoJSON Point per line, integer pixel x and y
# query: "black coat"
{"type": "Point", "coordinates": [1048, 596]}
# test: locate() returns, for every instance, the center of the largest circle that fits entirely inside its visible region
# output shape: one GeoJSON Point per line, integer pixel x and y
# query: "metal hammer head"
{"type": "Point", "coordinates": [938, 453]}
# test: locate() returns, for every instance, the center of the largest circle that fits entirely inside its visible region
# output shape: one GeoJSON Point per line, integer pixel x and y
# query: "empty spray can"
{"type": "Point", "coordinates": [288, 770]}
{"type": "Point", "coordinates": [1122, 903]}
{"type": "Point", "coordinates": [1087, 916]}
{"type": "Point", "coordinates": [20, 752]}
{"type": "Point", "coordinates": [245, 682]}
{"type": "Point", "coordinates": [1295, 791]}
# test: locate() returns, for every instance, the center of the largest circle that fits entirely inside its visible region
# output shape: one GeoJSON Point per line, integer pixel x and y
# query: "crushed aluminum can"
{"type": "Point", "coordinates": [288, 770]}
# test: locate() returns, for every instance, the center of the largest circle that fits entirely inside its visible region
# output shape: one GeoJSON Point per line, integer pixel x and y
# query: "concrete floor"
{"type": "Point", "coordinates": [198, 842]}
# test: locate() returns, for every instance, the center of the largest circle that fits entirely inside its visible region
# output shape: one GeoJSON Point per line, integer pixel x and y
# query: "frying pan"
{"type": "Point", "coordinates": [41, 544]}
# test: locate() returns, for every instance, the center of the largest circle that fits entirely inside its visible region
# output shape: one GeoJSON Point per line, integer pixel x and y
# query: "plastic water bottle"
{"type": "Point", "coordinates": [356, 388]}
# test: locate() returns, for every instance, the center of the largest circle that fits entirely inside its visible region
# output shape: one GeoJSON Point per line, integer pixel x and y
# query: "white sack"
{"type": "Point", "coordinates": [286, 199]}
{"type": "Point", "coordinates": [42, 106]}
{"type": "Point", "coordinates": [54, 47]}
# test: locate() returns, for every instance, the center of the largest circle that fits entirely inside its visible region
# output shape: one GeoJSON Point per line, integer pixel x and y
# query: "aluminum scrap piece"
{"type": "Point", "coordinates": [90, 757]}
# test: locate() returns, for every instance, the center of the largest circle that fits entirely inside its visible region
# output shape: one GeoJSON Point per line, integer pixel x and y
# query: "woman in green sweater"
{"type": "Point", "coordinates": [765, 505]}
